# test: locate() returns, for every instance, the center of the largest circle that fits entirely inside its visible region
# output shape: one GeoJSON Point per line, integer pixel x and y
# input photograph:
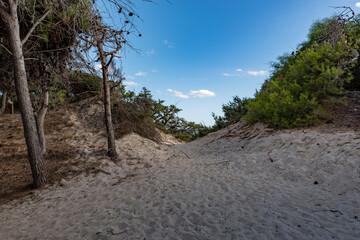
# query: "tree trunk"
{"type": "Point", "coordinates": [107, 104]}
{"type": "Point", "coordinates": [40, 117]}
{"type": "Point", "coordinates": [22, 90]}
{"type": "Point", "coordinates": [3, 102]}
{"type": "Point", "coordinates": [12, 105]}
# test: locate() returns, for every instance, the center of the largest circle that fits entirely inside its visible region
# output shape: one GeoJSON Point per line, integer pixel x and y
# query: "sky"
{"type": "Point", "coordinates": [199, 54]}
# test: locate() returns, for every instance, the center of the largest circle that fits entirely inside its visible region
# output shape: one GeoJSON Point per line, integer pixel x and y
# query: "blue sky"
{"type": "Point", "coordinates": [198, 54]}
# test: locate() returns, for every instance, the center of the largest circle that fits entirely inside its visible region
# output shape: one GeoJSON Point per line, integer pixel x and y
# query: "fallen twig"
{"type": "Point", "coordinates": [272, 160]}
{"type": "Point", "coordinates": [227, 163]}
{"type": "Point", "coordinates": [185, 154]}
{"type": "Point", "coordinates": [353, 188]}
{"type": "Point", "coordinates": [329, 210]}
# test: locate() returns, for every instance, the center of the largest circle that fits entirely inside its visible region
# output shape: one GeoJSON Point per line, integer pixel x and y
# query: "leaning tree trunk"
{"type": "Point", "coordinates": [3, 102]}
{"type": "Point", "coordinates": [22, 90]}
{"type": "Point", "coordinates": [40, 117]}
{"type": "Point", "coordinates": [107, 104]}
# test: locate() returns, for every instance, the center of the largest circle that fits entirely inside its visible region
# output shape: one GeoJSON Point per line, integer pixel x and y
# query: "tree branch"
{"type": "Point", "coordinates": [34, 26]}
{"type": "Point", "coordinates": [4, 12]}
{"type": "Point", "coordinates": [1, 45]}
{"type": "Point", "coordinates": [111, 58]}
{"type": "Point", "coordinates": [47, 51]}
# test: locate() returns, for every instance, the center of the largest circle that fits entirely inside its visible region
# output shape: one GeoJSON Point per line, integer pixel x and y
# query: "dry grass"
{"type": "Point", "coordinates": [345, 116]}
{"type": "Point", "coordinates": [130, 118]}
{"type": "Point", "coordinates": [15, 175]}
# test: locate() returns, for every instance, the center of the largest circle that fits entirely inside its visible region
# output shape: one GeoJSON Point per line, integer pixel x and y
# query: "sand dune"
{"type": "Point", "coordinates": [239, 183]}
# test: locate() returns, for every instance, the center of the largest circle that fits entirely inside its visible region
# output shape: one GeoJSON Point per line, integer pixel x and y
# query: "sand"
{"type": "Point", "coordinates": [238, 183]}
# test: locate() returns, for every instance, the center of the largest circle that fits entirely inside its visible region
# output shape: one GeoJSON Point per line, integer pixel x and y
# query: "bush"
{"type": "Point", "coordinates": [132, 113]}
{"type": "Point", "coordinates": [233, 112]}
{"type": "Point", "coordinates": [293, 95]}
{"type": "Point", "coordinates": [352, 30]}
{"type": "Point", "coordinates": [143, 115]}
{"type": "Point", "coordinates": [84, 85]}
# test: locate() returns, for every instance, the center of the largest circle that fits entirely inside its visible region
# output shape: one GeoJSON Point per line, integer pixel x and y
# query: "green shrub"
{"type": "Point", "coordinates": [132, 113]}
{"type": "Point", "coordinates": [141, 114]}
{"type": "Point", "coordinates": [84, 85]}
{"type": "Point", "coordinates": [293, 95]}
{"type": "Point", "coordinates": [57, 97]}
{"type": "Point", "coordinates": [233, 112]}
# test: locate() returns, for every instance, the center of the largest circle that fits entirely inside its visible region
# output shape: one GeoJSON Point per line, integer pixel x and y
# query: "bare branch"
{"type": "Point", "coordinates": [2, 45]}
{"type": "Point", "coordinates": [34, 26]}
{"type": "Point", "coordinates": [111, 58]}
{"type": "Point", "coordinates": [47, 51]}
{"type": "Point", "coordinates": [4, 12]}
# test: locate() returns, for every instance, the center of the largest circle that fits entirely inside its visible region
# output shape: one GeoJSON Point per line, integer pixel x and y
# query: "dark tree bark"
{"type": "Point", "coordinates": [11, 103]}
{"type": "Point", "coordinates": [107, 102]}
{"type": "Point", "coordinates": [11, 20]}
{"type": "Point", "coordinates": [3, 102]}
{"type": "Point", "coordinates": [40, 117]}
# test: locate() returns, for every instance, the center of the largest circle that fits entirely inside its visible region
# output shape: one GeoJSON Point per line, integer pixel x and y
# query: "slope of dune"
{"type": "Point", "coordinates": [243, 182]}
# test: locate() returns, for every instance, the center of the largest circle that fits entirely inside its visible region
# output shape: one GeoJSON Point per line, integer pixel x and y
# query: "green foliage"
{"type": "Point", "coordinates": [132, 113]}
{"type": "Point", "coordinates": [185, 130]}
{"type": "Point", "coordinates": [319, 31]}
{"type": "Point", "coordinates": [166, 119]}
{"type": "Point", "coordinates": [84, 85]}
{"type": "Point", "coordinates": [165, 116]}
{"type": "Point", "coordinates": [57, 97]}
{"type": "Point", "coordinates": [233, 112]}
{"type": "Point", "coordinates": [352, 31]}
{"type": "Point", "coordinates": [323, 28]}
{"type": "Point", "coordinates": [317, 75]}
{"type": "Point", "coordinates": [301, 82]}
{"type": "Point", "coordinates": [141, 114]}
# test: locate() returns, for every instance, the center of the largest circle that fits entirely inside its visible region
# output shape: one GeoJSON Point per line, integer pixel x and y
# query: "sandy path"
{"type": "Point", "coordinates": [224, 186]}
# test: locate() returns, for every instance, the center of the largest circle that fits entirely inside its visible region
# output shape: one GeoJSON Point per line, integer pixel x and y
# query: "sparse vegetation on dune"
{"type": "Point", "coordinates": [303, 89]}
{"type": "Point", "coordinates": [110, 163]}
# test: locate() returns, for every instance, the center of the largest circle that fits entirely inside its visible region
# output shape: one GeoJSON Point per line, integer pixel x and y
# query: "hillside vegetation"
{"type": "Point", "coordinates": [303, 90]}
{"type": "Point", "coordinates": [306, 85]}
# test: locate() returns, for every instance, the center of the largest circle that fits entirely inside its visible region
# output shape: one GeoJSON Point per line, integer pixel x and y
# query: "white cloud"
{"type": "Point", "coordinates": [97, 67]}
{"type": "Point", "coordinates": [169, 44]}
{"type": "Point", "coordinates": [131, 83]}
{"type": "Point", "coordinates": [140, 74]}
{"type": "Point", "coordinates": [154, 71]}
{"type": "Point", "coordinates": [129, 77]}
{"type": "Point", "coordinates": [258, 73]}
{"type": "Point", "coordinates": [357, 4]}
{"type": "Point", "coordinates": [239, 70]}
{"type": "Point", "coordinates": [152, 52]}
{"type": "Point", "coordinates": [178, 94]}
{"type": "Point", "coordinates": [231, 75]}
{"type": "Point", "coordinates": [202, 93]}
